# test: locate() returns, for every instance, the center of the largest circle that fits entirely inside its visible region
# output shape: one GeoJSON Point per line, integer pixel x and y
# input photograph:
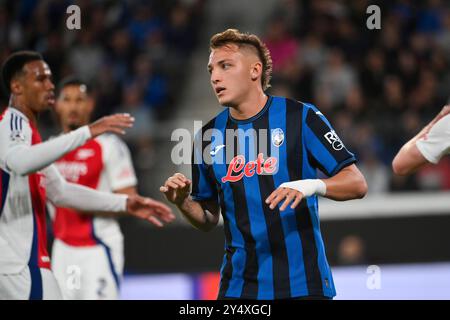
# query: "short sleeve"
{"type": "Point", "coordinates": [323, 143]}
{"type": "Point", "coordinates": [203, 187]}
{"type": "Point", "coordinates": [119, 168]}
{"type": "Point", "coordinates": [437, 143]}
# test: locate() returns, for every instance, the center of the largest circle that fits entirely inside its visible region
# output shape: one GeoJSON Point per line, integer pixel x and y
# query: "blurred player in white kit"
{"type": "Point", "coordinates": [87, 255]}
{"type": "Point", "coordinates": [428, 146]}
{"type": "Point", "coordinates": [28, 179]}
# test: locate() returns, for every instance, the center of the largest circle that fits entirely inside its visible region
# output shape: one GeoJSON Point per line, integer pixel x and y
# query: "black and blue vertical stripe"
{"type": "Point", "coordinates": [270, 254]}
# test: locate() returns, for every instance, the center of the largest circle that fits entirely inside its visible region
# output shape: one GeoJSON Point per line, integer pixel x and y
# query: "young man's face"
{"type": "Point", "coordinates": [231, 70]}
{"type": "Point", "coordinates": [36, 86]}
{"type": "Point", "coordinates": [74, 106]}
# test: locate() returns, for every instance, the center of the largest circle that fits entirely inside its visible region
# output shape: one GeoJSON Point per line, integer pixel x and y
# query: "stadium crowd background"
{"type": "Point", "coordinates": [378, 87]}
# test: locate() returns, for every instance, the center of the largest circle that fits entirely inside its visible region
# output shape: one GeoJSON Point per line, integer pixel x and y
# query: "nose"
{"type": "Point", "coordinates": [215, 78]}
{"type": "Point", "coordinates": [73, 107]}
{"type": "Point", "coordinates": [50, 85]}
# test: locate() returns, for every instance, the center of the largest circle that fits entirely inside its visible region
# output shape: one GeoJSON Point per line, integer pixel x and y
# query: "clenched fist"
{"type": "Point", "coordinates": [176, 188]}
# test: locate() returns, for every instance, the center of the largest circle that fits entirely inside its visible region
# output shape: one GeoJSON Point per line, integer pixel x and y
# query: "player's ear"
{"type": "Point", "coordinates": [256, 70]}
{"type": "Point", "coordinates": [16, 86]}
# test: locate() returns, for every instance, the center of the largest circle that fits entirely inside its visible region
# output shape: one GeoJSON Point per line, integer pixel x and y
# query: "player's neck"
{"type": "Point", "coordinates": [17, 104]}
{"type": "Point", "coordinates": [250, 107]}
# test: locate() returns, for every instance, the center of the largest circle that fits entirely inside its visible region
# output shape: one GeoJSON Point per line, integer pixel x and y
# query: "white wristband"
{"type": "Point", "coordinates": [308, 187]}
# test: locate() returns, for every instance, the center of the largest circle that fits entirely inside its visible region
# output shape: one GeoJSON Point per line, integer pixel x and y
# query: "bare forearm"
{"type": "Point", "coordinates": [409, 158]}
{"type": "Point", "coordinates": [346, 185]}
{"type": "Point", "coordinates": [197, 216]}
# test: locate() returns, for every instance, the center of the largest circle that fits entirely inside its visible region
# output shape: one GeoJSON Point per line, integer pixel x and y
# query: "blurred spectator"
{"type": "Point", "coordinates": [120, 54]}
{"type": "Point", "coordinates": [335, 78]}
{"type": "Point", "coordinates": [313, 52]}
{"type": "Point", "coordinates": [372, 74]}
{"type": "Point", "coordinates": [352, 251]}
{"type": "Point", "coordinates": [144, 120]}
{"type": "Point", "coordinates": [86, 57]}
{"type": "Point", "coordinates": [179, 31]}
{"type": "Point", "coordinates": [153, 84]}
{"type": "Point", "coordinates": [143, 23]}
{"type": "Point", "coordinates": [375, 172]}
{"type": "Point", "coordinates": [378, 88]}
{"type": "Point", "coordinates": [283, 47]}
{"type": "Point", "coordinates": [430, 18]}
{"type": "Point", "coordinates": [443, 36]}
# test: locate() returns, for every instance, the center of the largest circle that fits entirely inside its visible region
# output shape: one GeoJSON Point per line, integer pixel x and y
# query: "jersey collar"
{"type": "Point", "coordinates": [256, 116]}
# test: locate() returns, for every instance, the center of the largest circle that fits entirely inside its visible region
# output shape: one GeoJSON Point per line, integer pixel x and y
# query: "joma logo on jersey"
{"type": "Point", "coordinates": [238, 168]}
{"type": "Point", "coordinates": [334, 140]}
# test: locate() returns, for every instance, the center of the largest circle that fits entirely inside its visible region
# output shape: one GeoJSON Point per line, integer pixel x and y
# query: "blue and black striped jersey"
{"type": "Point", "coordinates": [268, 254]}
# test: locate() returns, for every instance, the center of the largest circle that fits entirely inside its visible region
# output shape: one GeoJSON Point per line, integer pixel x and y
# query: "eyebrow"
{"type": "Point", "coordinates": [218, 62]}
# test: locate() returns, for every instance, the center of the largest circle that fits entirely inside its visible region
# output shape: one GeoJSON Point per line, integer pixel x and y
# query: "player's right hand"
{"type": "Point", "coordinates": [149, 209]}
{"type": "Point", "coordinates": [176, 188]}
{"type": "Point", "coordinates": [115, 123]}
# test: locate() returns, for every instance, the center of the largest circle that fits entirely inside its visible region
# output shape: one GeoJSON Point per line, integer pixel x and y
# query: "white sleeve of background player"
{"type": "Point", "coordinates": [437, 143]}
{"type": "Point", "coordinates": [119, 168]}
{"type": "Point", "coordinates": [24, 158]}
{"type": "Point", "coordinates": [65, 194]}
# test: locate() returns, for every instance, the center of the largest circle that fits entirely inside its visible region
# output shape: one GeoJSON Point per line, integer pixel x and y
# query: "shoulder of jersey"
{"type": "Point", "coordinates": [109, 138]}
{"type": "Point", "coordinates": [16, 124]}
{"type": "Point", "coordinates": [112, 141]}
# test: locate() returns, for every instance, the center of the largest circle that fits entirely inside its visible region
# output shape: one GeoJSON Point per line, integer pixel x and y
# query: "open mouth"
{"type": "Point", "coordinates": [219, 90]}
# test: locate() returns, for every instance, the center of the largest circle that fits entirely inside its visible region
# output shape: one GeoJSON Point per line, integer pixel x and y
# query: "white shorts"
{"type": "Point", "coordinates": [29, 284]}
{"type": "Point", "coordinates": [88, 273]}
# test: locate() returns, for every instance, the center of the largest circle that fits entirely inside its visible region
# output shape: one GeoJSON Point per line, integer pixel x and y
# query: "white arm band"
{"type": "Point", "coordinates": [23, 159]}
{"type": "Point", "coordinates": [64, 194]}
{"type": "Point", "coordinates": [308, 187]}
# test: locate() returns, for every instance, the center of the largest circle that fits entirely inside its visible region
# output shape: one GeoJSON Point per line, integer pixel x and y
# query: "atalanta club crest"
{"type": "Point", "coordinates": [277, 137]}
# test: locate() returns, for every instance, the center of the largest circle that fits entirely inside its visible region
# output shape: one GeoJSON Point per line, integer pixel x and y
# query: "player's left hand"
{"type": "Point", "coordinates": [288, 195]}
{"type": "Point", "coordinates": [149, 209]}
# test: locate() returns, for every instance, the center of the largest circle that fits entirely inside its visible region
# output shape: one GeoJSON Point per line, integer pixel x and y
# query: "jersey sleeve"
{"type": "Point", "coordinates": [323, 144]}
{"type": "Point", "coordinates": [119, 168]}
{"type": "Point", "coordinates": [203, 187]}
{"type": "Point", "coordinates": [65, 194]}
{"type": "Point", "coordinates": [14, 132]}
{"type": "Point", "coordinates": [18, 155]}
{"type": "Point", "coordinates": [437, 143]}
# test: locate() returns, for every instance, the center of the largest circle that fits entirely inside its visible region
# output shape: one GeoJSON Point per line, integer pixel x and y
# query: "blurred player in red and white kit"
{"type": "Point", "coordinates": [87, 255]}
{"type": "Point", "coordinates": [28, 179]}
{"type": "Point", "coordinates": [428, 146]}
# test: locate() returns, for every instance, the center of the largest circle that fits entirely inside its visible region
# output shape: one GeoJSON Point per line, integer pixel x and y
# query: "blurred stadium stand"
{"type": "Point", "coordinates": [378, 88]}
